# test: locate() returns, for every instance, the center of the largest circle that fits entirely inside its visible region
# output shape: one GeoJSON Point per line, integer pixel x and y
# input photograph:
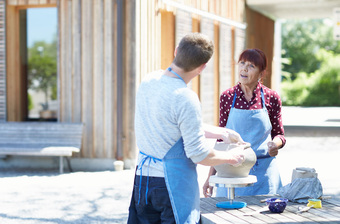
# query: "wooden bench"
{"type": "Point", "coordinates": [40, 139]}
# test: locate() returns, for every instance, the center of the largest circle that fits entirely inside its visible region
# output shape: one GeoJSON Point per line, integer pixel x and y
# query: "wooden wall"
{"type": "Point", "coordinates": [98, 73]}
{"type": "Point", "coordinates": [88, 72]}
{"type": "Point", "coordinates": [3, 89]}
{"type": "Point", "coordinates": [229, 41]}
{"type": "Point", "coordinates": [260, 34]}
{"type": "Point", "coordinates": [106, 47]}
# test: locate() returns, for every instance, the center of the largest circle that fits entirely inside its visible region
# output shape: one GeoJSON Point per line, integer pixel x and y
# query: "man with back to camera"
{"type": "Point", "coordinates": [172, 139]}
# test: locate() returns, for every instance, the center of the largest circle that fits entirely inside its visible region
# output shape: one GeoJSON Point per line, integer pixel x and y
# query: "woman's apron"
{"type": "Point", "coordinates": [181, 180]}
{"type": "Point", "coordinates": [254, 127]}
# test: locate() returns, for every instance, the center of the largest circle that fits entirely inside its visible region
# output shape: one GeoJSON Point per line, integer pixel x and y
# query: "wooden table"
{"type": "Point", "coordinates": [329, 213]}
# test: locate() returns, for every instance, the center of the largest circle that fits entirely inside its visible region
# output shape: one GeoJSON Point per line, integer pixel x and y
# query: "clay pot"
{"type": "Point", "coordinates": [229, 171]}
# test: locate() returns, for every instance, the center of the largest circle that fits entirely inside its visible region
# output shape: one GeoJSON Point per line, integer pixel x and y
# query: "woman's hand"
{"type": "Point", "coordinates": [274, 146]}
{"type": "Point", "coordinates": [207, 189]}
{"type": "Point", "coordinates": [273, 149]}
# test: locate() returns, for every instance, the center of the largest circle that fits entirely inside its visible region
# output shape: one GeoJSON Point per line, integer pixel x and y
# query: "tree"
{"type": "Point", "coordinates": [301, 40]}
{"type": "Point", "coordinates": [311, 72]}
{"type": "Point", "coordinates": [42, 69]}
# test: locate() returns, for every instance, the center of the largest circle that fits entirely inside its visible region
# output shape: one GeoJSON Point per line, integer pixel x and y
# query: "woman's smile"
{"type": "Point", "coordinates": [244, 76]}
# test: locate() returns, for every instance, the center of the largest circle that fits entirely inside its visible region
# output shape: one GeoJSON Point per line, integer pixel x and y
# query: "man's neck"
{"type": "Point", "coordinates": [186, 76]}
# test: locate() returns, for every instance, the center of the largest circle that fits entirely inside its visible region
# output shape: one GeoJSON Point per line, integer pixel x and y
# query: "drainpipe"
{"type": "Point", "coordinates": [120, 65]}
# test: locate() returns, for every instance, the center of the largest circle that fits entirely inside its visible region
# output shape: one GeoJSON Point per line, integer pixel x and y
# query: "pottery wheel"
{"type": "Point", "coordinates": [231, 183]}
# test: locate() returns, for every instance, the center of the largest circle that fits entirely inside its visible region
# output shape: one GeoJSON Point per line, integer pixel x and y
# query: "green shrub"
{"type": "Point", "coordinates": [321, 88]}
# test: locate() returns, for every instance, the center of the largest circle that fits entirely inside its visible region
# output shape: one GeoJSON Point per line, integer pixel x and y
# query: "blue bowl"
{"type": "Point", "coordinates": [277, 205]}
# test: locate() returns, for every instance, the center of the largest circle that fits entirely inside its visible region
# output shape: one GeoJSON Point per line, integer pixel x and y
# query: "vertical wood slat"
{"type": "Point", "coordinates": [114, 78]}
{"type": "Point", "coordinates": [143, 40]}
{"type": "Point", "coordinates": [138, 42]}
{"type": "Point", "coordinates": [152, 35]}
{"type": "Point", "coordinates": [149, 34]}
{"type": "Point", "coordinates": [3, 91]}
{"type": "Point", "coordinates": [157, 32]}
{"type": "Point", "coordinates": [98, 79]}
{"type": "Point", "coordinates": [183, 24]}
{"type": "Point", "coordinates": [233, 62]}
{"type": "Point", "coordinates": [68, 76]}
{"type": "Point", "coordinates": [216, 73]}
{"type": "Point", "coordinates": [239, 43]}
{"type": "Point", "coordinates": [167, 38]}
{"type": "Point", "coordinates": [183, 27]}
{"type": "Point", "coordinates": [108, 80]}
{"type": "Point", "coordinates": [12, 64]}
{"type": "Point", "coordinates": [87, 79]}
{"type": "Point", "coordinates": [195, 83]}
{"type": "Point", "coordinates": [130, 84]}
{"type": "Point", "coordinates": [225, 49]}
{"type": "Point", "coordinates": [207, 77]}
{"type": "Point", "coordinates": [76, 62]}
{"type": "Point", "coordinates": [66, 62]}
{"type": "Point", "coordinates": [61, 60]}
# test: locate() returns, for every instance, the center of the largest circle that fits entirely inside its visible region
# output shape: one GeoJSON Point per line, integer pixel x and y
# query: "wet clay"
{"type": "Point", "coordinates": [229, 171]}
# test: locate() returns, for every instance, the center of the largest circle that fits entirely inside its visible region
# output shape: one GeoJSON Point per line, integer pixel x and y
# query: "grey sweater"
{"type": "Point", "coordinates": [167, 110]}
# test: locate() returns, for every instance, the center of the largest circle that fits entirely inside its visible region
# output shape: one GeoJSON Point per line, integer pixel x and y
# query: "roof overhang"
{"type": "Point", "coordinates": [294, 9]}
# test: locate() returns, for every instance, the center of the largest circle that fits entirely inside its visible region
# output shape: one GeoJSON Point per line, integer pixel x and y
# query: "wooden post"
{"type": "Point", "coordinates": [216, 73]}
{"type": "Point", "coordinates": [14, 79]}
{"type": "Point", "coordinates": [167, 38]}
{"type": "Point", "coordinates": [195, 83]}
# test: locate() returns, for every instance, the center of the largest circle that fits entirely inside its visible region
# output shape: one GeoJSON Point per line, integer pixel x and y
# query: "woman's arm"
{"type": "Point", "coordinates": [277, 133]}
{"type": "Point", "coordinates": [207, 189]}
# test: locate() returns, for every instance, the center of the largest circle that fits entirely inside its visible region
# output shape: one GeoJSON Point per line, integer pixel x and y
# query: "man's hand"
{"type": "Point", "coordinates": [237, 157]}
{"type": "Point", "coordinates": [231, 136]}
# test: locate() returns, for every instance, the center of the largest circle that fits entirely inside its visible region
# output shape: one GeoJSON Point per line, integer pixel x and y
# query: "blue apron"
{"type": "Point", "coordinates": [181, 181]}
{"type": "Point", "coordinates": [254, 127]}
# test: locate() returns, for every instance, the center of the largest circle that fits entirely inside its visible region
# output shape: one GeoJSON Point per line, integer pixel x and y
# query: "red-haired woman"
{"type": "Point", "coordinates": [254, 111]}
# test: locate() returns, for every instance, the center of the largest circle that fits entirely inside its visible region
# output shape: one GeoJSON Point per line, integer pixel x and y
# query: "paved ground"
{"type": "Point", "coordinates": [80, 197]}
{"type": "Point", "coordinates": [36, 197]}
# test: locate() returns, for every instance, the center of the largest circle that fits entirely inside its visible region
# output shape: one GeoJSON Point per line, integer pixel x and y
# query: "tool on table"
{"type": "Point", "coordinates": [325, 197]}
{"type": "Point", "coordinates": [312, 203]}
{"type": "Point", "coordinates": [303, 209]}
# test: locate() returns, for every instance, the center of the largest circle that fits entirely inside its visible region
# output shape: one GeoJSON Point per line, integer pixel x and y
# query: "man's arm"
{"type": "Point", "coordinates": [227, 135]}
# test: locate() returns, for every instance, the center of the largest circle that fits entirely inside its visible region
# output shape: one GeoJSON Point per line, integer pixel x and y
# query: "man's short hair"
{"type": "Point", "coordinates": [193, 50]}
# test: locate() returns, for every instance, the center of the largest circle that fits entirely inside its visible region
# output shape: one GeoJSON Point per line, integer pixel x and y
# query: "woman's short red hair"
{"type": "Point", "coordinates": [255, 56]}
